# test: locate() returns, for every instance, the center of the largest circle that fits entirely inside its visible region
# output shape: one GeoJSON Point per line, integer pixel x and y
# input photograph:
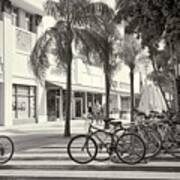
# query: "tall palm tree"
{"type": "Point", "coordinates": [102, 36]}
{"type": "Point", "coordinates": [71, 17]}
{"type": "Point", "coordinates": [129, 52]}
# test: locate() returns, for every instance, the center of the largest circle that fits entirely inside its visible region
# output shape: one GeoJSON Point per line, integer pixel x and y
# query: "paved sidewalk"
{"type": "Point", "coordinates": [77, 127]}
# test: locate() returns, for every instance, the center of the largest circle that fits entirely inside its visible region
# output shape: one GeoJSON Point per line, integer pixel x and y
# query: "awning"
{"type": "Point", "coordinates": [54, 84]}
{"type": "Point", "coordinates": [77, 87]}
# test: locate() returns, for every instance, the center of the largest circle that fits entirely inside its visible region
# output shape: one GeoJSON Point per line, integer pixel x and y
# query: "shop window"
{"type": "Point", "coordinates": [24, 102]}
{"type": "Point", "coordinates": [81, 95]}
{"type": "Point", "coordinates": [125, 103]}
{"type": "Point", "coordinates": [98, 98]}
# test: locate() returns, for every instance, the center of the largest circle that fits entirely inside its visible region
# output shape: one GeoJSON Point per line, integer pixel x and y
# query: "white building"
{"type": "Point", "coordinates": [23, 100]}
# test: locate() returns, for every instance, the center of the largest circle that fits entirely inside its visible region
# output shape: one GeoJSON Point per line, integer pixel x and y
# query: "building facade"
{"type": "Point", "coordinates": [23, 100]}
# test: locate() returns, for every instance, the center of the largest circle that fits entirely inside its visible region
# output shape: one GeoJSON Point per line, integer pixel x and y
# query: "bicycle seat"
{"type": "Point", "coordinates": [141, 114]}
{"type": "Point", "coordinates": [154, 112]}
{"type": "Point", "coordinates": [116, 123]}
{"type": "Point", "coordinates": [160, 116]}
{"type": "Point", "coordinates": [107, 120]}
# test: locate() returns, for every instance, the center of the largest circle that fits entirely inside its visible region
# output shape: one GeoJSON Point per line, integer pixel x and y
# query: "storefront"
{"type": "Point", "coordinates": [83, 101]}
{"type": "Point", "coordinates": [54, 101]}
{"type": "Point", "coordinates": [53, 104]}
{"type": "Point", "coordinates": [125, 107]}
{"type": "Point", "coordinates": [24, 104]}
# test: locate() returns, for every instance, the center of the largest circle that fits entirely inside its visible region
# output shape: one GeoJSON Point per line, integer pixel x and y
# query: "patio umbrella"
{"type": "Point", "coordinates": [151, 100]}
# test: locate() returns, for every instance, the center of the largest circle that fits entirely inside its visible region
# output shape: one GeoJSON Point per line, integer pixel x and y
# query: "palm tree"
{"type": "Point", "coordinates": [71, 17]}
{"type": "Point", "coordinates": [102, 36]}
{"type": "Point", "coordinates": [129, 52]}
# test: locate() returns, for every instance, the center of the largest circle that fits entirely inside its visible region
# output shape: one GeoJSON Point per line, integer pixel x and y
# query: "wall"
{"type": "Point", "coordinates": [7, 56]}
{"type": "Point", "coordinates": [1, 104]}
{"type": "Point", "coordinates": [89, 75]}
{"type": "Point", "coordinates": [1, 51]}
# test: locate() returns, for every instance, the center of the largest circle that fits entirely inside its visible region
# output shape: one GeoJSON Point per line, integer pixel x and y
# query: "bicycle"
{"type": "Point", "coordinates": [6, 149]}
{"type": "Point", "coordinates": [167, 127]}
{"type": "Point", "coordinates": [128, 147]}
{"type": "Point", "coordinates": [143, 126]}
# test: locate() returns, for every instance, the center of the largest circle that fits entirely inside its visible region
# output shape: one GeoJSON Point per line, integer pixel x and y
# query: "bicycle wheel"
{"type": "Point", "coordinates": [103, 141]}
{"type": "Point", "coordinates": [152, 142]}
{"type": "Point", "coordinates": [6, 149]}
{"type": "Point", "coordinates": [82, 149]}
{"type": "Point", "coordinates": [173, 148]}
{"type": "Point", "coordinates": [130, 148]}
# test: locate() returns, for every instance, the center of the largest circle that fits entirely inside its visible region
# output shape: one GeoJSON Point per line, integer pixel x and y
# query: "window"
{"type": "Point", "coordinates": [24, 102]}
{"type": "Point", "coordinates": [125, 103]}
{"type": "Point", "coordinates": [0, 10]}
{"type": "Point", "coordinates": [15, 17]}
{"type": "Point", "coordinates": [28, 22]}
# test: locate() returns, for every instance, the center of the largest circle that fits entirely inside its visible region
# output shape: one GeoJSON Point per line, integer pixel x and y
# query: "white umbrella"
{"type": "Point", "coordinates": [152, 100]}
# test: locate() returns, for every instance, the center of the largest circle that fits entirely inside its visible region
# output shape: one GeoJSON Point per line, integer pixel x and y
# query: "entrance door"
{"type": "Point", "coordinates": [78, 107]}
{"type": "Point", "coordinates": [53, 105]}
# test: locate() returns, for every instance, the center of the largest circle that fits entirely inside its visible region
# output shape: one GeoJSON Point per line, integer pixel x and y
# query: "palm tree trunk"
{"type": "Point", "coordinates": [67, 129]}
{"type": "Point", "coordinates": [132, 92]}
{"type": "Point", "coordinates": [175, 94]}
{"type": "Point", "coordinates": [107, 84]}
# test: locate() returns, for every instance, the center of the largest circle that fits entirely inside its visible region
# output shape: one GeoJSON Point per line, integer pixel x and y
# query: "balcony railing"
{"type": "Point", "coordinates": [24, 40]}
{"type": "Point", "coordinates": [124, 85]}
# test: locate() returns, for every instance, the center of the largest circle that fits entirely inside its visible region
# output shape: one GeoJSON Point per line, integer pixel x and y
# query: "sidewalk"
{"type": "Point", "coordinates": [77, 127]}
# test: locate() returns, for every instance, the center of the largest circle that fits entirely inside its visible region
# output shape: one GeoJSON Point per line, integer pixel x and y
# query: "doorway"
{"type": "Point", "coordinates": [78, 107]}
{"type": "Point", "coordinates": [53, 104]}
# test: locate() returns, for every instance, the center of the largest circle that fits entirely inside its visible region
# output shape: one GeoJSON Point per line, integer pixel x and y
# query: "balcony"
{"type": "Point", "coordinates": [24, 40]}
{"type": "Point", "coordinates": [124, 86]}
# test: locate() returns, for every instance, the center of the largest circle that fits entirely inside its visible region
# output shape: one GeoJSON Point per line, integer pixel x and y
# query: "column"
{"type": "Point", "coordinates": [22, 19]}
{"type": "Point", "coordinates": [61, 104]}
{"type": "Point", "coordinates": [41, 104]}
{"type": "Point", "coordinates": [1, 103]}
{"type": "Point", "coordinates": [119, 103]}
{"type": "Point", "coordinates": [86, 105]}
{"type": "Point", "coordinates": [72, 104]}
{"type": "Point", "coordinates": [7, 58]}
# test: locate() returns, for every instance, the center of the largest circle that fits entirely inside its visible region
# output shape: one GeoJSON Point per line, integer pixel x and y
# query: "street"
{"type": "Point", "coordinates": [42, 155]}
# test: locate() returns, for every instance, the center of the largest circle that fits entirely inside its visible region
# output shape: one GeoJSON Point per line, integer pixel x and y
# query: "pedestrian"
{"type": "Point", "coordinates": [97, 112]}
{"type": "Point", "coordinates": [90, 112]}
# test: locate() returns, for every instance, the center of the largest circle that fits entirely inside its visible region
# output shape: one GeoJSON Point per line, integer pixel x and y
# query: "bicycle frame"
{"type": "Point", "coordinates": [110, 134]}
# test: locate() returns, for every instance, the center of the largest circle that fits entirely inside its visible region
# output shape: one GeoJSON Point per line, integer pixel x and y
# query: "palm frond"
{"type": "Point", "coordinates": [91, 42]}
{"type": "Point", "coordinates": [101, 18]}
{"type": "Point", "coordinates": [78, 11]}
{"type": "Point", "coordinates": [132, 48]}
{"type": "Point", "coordinates": [101, 9]}
{"type": "Point", "coordinates": [125, 9]}
{"type": "Point", "coordinates": [61, 37]}
{"type": "Point", "coordinates": [55, 9]}
{"type": "Point", "coordinates": [39, 59]}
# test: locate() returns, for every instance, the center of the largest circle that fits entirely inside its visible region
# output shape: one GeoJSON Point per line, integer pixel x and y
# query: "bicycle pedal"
{"type": "Point", "coordinates": [144, 161]}
{"type": "Point", "coordinates": [114, 159]}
